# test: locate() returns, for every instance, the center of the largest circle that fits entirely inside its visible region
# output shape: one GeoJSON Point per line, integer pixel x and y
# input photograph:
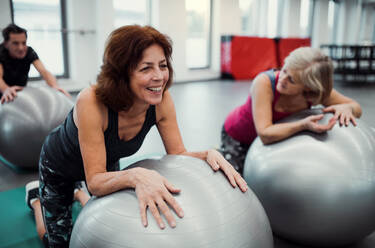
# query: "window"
{"type": "Point", "coordinates": [198, 33]}
{"type": "Point", "coordinates": [305, 17]}
{"type": "Point", "coordinates": [44, 22]}
{"type": "Point", "coordinates": [272, 18]}
{"type": "Point", "coordinates": [246, 21]}
{"type": "Point", "coordinates": [128, 12]}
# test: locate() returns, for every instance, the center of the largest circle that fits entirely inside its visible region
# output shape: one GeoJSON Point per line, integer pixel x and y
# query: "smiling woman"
{"type": "Point", "coordinates": [306, 79]}
{"type": "Point", "coordinates": [109, 121]}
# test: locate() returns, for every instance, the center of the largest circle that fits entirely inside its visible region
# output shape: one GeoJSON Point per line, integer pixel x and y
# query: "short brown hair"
{"type": "Point", "coordinates": [123, 52]}
{"type": "Point", "coordinates": [12, 29]}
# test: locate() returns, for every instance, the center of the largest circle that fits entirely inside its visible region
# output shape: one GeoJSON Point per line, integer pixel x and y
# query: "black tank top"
{"type": "Point", "coordinates": [62, 152]}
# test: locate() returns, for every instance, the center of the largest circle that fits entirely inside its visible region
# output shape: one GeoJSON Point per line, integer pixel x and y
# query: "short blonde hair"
{"type": "Point", "coordinates": [314, 70]}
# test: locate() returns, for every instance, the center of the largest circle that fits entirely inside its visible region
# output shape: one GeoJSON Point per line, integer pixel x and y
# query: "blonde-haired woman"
{"type": "Point", "coordinates": [306, 79]}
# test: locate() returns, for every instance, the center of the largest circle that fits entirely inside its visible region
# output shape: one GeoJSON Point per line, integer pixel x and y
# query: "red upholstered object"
{"type": "Point", "coordinates": [286, 45]}
{"type": "Point", "coordinates": [252, 55]}
{"type": "Point", "coordinates": [244, 57]}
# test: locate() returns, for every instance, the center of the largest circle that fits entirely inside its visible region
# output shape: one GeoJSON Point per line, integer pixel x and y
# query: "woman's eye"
{"type": "Point", "coordinates": [145, 68]}
{"type": "Point", "coordinates": [163, 66]}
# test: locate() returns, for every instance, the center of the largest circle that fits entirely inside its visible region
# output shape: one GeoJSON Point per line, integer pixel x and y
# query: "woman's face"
{"type": "Point", "coordinates": [149, 78]}
{"type": "Point", "coordinates": [287, 84]}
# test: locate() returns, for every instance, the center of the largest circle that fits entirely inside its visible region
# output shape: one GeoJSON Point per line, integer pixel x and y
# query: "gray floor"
{"type": "Point", "coordinates": [201, 109]}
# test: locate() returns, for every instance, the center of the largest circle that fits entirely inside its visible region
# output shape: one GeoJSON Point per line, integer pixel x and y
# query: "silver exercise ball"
{"type": "Point", "coordinates": [26, 121]}
{"type": "Point", "coordinates": [216, 214]}
{"type": "Point", "coordinates": [317, 189]}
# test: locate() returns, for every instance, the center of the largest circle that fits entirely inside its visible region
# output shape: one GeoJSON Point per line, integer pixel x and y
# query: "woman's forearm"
{"type": "Point", "coordinates": [108, 182]}
{"type": "Point", "coordinates": [201, 155]}
{"type": "Point", "coordinates": [277, 132]}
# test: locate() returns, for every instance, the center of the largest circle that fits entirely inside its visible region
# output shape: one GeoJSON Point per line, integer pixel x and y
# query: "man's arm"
{"type": "Point", "coordinates": [48, 77]}
{"type": "Point", "coordinates": [9, 92]}
{"type": "Point", "coordinates": [3, 85]}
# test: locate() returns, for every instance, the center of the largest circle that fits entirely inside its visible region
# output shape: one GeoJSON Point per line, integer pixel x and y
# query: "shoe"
{"type": "Point", "coordinates": [77, 186]}
{"type": "Point", "coordinates": [32, 192]}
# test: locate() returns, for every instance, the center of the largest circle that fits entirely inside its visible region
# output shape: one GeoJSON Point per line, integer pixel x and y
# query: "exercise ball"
{"type": "Point", "coordinates": [216, 214]}
{"type": "Point", "coordinates": [26, 121]}
{"type": "Point", "coordinates": [317, 189]}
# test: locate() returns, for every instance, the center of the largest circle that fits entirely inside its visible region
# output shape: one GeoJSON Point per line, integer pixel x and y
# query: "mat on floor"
{"type": "Point", "coordinates": [17, 224]}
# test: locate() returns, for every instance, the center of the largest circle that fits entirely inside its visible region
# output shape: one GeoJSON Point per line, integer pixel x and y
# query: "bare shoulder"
{"type": "Point", "coordinates": [165, 108]}
{"type": "Point", "coordinates": [261, 83]}
{"type": "Point", "coordinates": [262, 80]}
{"type": "Point", "coordinates": [89, 107]}
{"type": "Point", "coordinates": [87, 98]}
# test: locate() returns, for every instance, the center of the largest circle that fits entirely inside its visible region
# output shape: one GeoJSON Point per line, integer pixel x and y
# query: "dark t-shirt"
{"type": "Point", "coordinates": [16, 71]}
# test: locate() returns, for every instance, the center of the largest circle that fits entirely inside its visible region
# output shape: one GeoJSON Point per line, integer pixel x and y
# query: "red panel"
{"type": "Point", "coordinates": [252, 55]}
{"type": "Point", "coordinates": [286, 45]}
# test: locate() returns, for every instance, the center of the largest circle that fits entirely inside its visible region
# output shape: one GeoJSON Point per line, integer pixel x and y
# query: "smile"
{"type": "Point", "coordinates": [155, 89]}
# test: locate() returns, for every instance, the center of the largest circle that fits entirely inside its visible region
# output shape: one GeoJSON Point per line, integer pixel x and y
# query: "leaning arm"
{"type": "Point", "coordinates": [262, 97]}
{"type": "Point", "coordinates": [46, 75]}
{"type": "Point", "coordinates": [3, 85]}
{"type": "Point", "coordinates": [90, 120]}
{"type": "Point", "coordinates": [335, 98]}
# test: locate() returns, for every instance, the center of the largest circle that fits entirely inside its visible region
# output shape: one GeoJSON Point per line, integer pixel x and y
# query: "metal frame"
{"type": "Point", "coordinates": [209, 52]}
{"type": "Point", "coordinates": [66, 72]}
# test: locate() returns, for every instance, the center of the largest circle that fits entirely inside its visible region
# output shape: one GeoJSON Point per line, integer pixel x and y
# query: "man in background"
{"type": "Point", "coordinates": [15, 60]}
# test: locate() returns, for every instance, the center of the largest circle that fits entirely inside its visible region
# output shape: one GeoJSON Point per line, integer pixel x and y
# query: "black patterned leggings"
{"type": "Point", "coordinates": [56, 198]}
{"type": "Point", "coordinates": [233, 151]}
{"type": "Point", "coordinates": [56, 193]}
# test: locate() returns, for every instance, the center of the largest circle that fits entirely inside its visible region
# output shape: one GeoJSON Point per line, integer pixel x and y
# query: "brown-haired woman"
{"type": "Point", "coordinates": [110, 120]}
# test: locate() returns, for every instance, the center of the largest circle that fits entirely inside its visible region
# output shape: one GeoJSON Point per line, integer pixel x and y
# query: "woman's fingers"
{"type": "Point", "coordinates": [143, 208]}
{"type": "Point", "coordinates": [241, 182]}
{"type": "Point", "coordinates": [317, 117]}
{"type": "Point", "coordinates": [226, 168]}
{"type": "Point", "coordinates": [328, 109]}
{"type": "Point", "coordinates": [342, 119]}
{"type": "Point", "coordinates": [171, 187]}
{"type": "Point", "coordinates": [166, 212]}
{"type": "Point", "coordinates": [213, 163]}
{"type": "Point", "coordinates": [352, 119]}
{"type": "Point", "coordinates": [155, 212]}
{"type": "Point", "coordinates": [172, 201]}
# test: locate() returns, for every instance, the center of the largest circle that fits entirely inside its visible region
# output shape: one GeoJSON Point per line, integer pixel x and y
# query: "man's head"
{"type": "Point", "coordinates": [15, 41]}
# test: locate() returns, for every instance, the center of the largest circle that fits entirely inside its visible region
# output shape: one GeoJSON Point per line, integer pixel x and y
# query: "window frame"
{"type": "Point", "coordinates": [209, 42]}
{"type": "Point", "coordinates": [64, 39]}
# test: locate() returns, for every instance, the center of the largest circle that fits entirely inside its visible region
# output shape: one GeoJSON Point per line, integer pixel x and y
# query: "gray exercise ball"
{"type": "Point", "coordinates": [216, 214]}
{"type": "Point", "coordinates": [26, 121]}
{"type": "Point", "coordinates": [317, 189]}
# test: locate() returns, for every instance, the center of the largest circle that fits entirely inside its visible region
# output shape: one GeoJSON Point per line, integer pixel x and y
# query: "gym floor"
{"type": "Point", "coordinates": [201, 110]}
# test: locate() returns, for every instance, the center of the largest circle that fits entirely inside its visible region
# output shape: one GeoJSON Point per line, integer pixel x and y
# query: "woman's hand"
{"type": "Point", "coordinates": [153, 192]}
{"type": "Point", "coordinates": [343, 113]}
{"type": "Point", "coordinates": [311, 123]}
{"type": "Point", "coordinates": [217, 161]}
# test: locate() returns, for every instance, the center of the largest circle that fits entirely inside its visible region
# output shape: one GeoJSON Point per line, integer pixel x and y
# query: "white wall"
{"type": "Point", "coordinates": [5, 15]}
